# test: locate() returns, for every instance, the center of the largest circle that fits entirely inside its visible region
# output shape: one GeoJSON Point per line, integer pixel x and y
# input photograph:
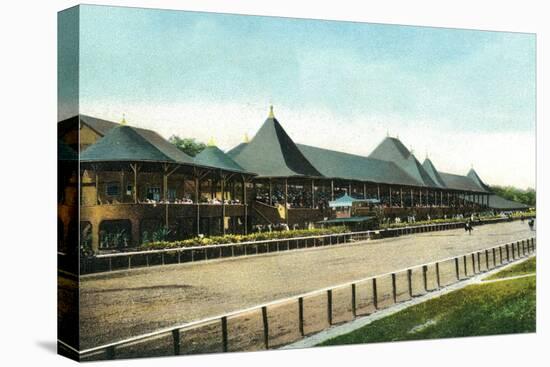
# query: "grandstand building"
{"type": "Point", "coordinates": [136, 186]}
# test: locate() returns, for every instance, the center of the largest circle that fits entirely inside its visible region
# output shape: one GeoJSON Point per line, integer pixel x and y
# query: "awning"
{"type": "Point", "coordinates": [347, 200]}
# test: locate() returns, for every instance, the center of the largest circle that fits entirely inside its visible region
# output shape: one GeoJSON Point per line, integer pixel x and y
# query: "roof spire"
{"type": "Point", "coordinates": [271, 115]}
{"type": "Point", "coordinates": [123, 122]}
{"type": "Point", "coordinates": [411, 150]}
{"type": "Point", "coordinates": [211, 142]}
{"type": "Point", "coordinates": [246, 139]}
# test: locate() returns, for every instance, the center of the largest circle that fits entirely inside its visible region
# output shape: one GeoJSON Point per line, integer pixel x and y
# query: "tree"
{"type": "Point", "coordinates": [187, 145]}
{"type": "Point", "coordinates": [528, 196]}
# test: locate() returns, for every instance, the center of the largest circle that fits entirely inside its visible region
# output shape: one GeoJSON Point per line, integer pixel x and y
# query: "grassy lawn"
{"type": "Point", "coordinates": [526, 267]}
{"type": "Point", "coordinates": [503, 307]}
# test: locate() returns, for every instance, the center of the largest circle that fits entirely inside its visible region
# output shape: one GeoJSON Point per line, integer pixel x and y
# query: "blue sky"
{"type": "Point", "coordinates": [201, 74]}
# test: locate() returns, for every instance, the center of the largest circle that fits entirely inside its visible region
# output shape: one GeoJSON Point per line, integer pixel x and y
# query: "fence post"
{"type": "Point", "coordinates": [110, 352]}
{"type": "Point", "coordinates": [394, 288]}
{"type": "Point", "coordinates": [409, 279]}
{"type": "Point", "coordinates": [353, 300]}
{"type": "Point", "coordinates": [329, 306]}
{"type": "Point", "coordinates": [266, 327]}
{"type": "Point", "coordinates": [479, 262]}
{"type": "Point", "coordinates": [500, 255]}
{"type": "Point", "coordinates": [374, 294]}
{"type": "Point", "coordinates": [129, 261]}
{"type": "Point", "coordinates": [224, 333]}
{"type": "Point", "coordinates": [301, 315]}
{"type": "Point", "coordinates": [437, 275]}
{"type": "Point", "coordinates": [425, 276]}
{"type": "Point", "coordinates": [473, 264]}
{"type": "Point", "coordinates": [494, 257]}
{"type": "Point", "coordinates": [507, 254]}
{"type": "Point", "coordinates": [176, 338]}
{"type": "Point", "coordinates": [465, 267]}
{"type": "Point", "coordinates": [456, 269]}
{"type": "Point", "coordinates": [487, 259]}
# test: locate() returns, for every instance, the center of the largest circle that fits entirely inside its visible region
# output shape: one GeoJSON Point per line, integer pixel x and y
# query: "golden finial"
{"type": "Point", "coordinates": [271, 115]}
{"type": "Point", "coordinates": [123, 122]}
{"type": "Point", "coordinates": [211, 142]}
{"type": "Point", "coordinates": [246, 139]}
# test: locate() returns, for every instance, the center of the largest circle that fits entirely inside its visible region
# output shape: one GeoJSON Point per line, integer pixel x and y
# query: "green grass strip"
{"type": "Point", "coordinates": [527, 267]}
{"type": "Point", "coordinates": [482, 309]}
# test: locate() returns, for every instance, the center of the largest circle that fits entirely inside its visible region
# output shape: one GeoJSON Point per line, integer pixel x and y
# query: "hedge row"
{"type": "Point", "coordinates": [236, 238]}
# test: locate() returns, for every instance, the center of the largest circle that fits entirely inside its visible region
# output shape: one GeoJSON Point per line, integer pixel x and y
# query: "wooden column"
{"type": "Point", "coordinates": [420, 197]}
{"type": "Point", "coordinates": [121, 186]}
{"type": "Point", "coordinates": [332, 190]}
{"type": "Point", "coordinates": [245, 221]}
{"type": "Point", "coordinates": [401, 196]}
{"type": "Point", "coordinates": [97, 187]}
{"type": "Point", "coordinates": [389, 190]}
{"type": "Point", "coordinates": [197, 203]}
{"type": "Point", "coordinates": [378, 191]}
{"type": "Point", "coordinates": [286, 200]}
{"type": "Point", "coordinates": [412, 198]}
{"type": "Point", "coordinates": [364, 191]}
{"type": "Point", "coordinates": [270, 192]}
{"type": "Point", "coordinates": [312, 194]}
{"type": "Point", "coordinates": [349, 189]}
{"type": "Point", "coordinates": [134, 168]}
{"type": "Point", "coordinates": [223, 203]}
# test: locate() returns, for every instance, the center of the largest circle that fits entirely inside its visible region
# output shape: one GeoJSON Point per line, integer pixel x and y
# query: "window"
{"type": "Point", "coordinates": [171, 194]}
{"type": "Point", "coordinates": [153, 193]}
{"type": "Point", "coordinates": [112, 189]}
{"type": "Point", "coordinates": [129, 190]}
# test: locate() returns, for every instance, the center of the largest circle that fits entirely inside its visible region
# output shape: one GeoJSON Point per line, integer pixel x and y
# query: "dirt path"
{"type": "Point", "coordinates": [121, 305]}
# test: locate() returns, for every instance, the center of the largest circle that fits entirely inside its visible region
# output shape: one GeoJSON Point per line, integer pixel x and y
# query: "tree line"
{"type": "Point", "coordinates": [528, 196]}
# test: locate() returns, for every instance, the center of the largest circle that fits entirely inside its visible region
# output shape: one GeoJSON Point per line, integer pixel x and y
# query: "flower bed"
{"type": "Point", "coordinates": [235, 238]}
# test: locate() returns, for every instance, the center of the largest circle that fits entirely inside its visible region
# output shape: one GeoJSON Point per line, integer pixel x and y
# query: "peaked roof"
{"type": "Point", "coordinates": [393, 150]}
{"type": "Point", "coordinates": [126, 143]}
{"type": "Point", "coordinates": [236, 149]}
{"type": "Point", "coordinates": [459, 182]}
{"type": "Point", "coordinates": [432, 171]}
{"type": "Point", "coordinates": [475, 177]}
{"type": "Point", "coordinates": [99, 125]}
{"type": "Point", "coordinates": [498, 202]}
{"type": "Point", "coordinates": [347, 200]}
{"type": "Point", "coordinates": [336, 164]}
{"type": "Point", "coordinates": [65, 152]}
{"type": "Point", "coordinates": [272, 153]}
{"type": "Point", "coordinates": [215, 157]}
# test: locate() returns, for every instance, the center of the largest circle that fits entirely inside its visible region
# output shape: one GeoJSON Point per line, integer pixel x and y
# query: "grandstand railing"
{"type": "Point", "coordinates": [147, 258]}
{"type": "Point", "coordinates": [284, 321]}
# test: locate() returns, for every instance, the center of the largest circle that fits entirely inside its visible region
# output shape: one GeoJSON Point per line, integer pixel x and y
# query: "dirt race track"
{"type": "Point", "coordinates": [120, 305]}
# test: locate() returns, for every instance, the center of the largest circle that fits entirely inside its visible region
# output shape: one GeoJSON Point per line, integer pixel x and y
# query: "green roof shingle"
{"type": "Point", "coordinates": [336, 164]}
{"type": "Point", "coordinates": [392, 150]}
{"type": "Point", "coordinates": [272, 153]}
{"type": "Point", "coordinates": [126, 143]}
{"type": "Point", "coordinates": [214, 157]}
